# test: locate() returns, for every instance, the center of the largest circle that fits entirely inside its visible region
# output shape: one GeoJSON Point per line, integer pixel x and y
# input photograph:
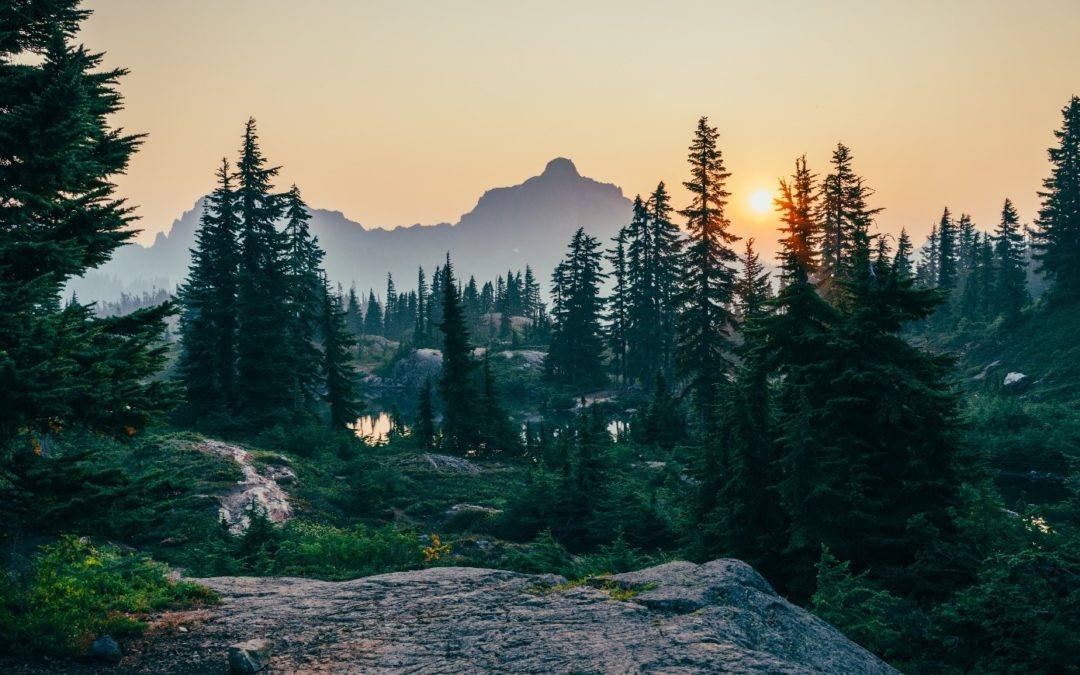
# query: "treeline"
{"type": "Point", "coordinates": [414, 316]}
{"type": "Point", "coordinates": [263, 335]}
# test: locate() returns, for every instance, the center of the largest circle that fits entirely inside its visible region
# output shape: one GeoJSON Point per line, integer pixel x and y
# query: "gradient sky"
{"type": "Point", "coordinates": [403, 112]}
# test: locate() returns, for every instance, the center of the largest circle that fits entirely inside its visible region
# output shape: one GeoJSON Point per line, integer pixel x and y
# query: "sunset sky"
{"type": "Point", "coordinates": [405, 112]}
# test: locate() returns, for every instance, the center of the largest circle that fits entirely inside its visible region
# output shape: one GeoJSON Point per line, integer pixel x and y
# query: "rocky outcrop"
{"type": "Point", "coordinates": [264, 491]}
{"type": "Point", "coordinates": [674, 618]}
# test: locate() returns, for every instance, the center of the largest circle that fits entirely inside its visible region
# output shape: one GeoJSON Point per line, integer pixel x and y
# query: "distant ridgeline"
{"type": "Point", "coordinates": [509, 227]}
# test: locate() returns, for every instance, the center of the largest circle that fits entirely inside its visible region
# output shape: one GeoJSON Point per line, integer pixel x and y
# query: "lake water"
{"type": "Point", "coordinates": [375, 428]}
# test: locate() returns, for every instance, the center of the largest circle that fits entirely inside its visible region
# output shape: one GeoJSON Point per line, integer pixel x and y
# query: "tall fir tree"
{"type": "Point", "coordinates": [947, 255]}
{"type": "Point", "coordinates": [575, 357]}
{"type": "Point", "coordinates": [705, 319]}
{"type": "Point", "coordinates": [1010, 287]}
{"type": "Point", "coordinates": [844, 214]}
{"type": "Point", "coordinates": [354, 316]}
{"type": "Point", "coordinates": [305, 301]}
{"type": "Point", "coordinates": [62, 366]}
{"type": "Point", "coordinates": [208, 306]}
{"type": "Point", "coordinates": [424, 427]}
{"type": "Point", "coordinates": [265, 391]}
{"type": "Point", "coordinates": [373, 315]}
{"type": "Point", "coordinates": [618, 306]}
{"type": "Point", "coordinates": [1057, 235]}
{"type": "Point", "coordinates": [902, 265]}
{"type": "Point", "coordinates": [456, 387]}
{"type": "Point", "coordinates": [339, 374]}
{"type": "Point", "coordinates": [422, 299]}
{"type": "Point", "coordinates": [752, 287]}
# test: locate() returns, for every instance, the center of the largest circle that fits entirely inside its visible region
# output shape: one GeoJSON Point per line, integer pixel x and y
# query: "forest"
{"type": "Point", "coordinates": [887, 431]}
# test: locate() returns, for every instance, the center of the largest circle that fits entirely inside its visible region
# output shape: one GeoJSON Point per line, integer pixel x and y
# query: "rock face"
{"type": "Point", "coordinates": [675, 618]}
{"type": "Point", "coordinates": [264, 491]}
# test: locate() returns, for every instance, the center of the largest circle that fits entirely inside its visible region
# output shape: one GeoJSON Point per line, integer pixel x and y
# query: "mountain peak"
{"type": "Point", "coordinates": [561, 166]}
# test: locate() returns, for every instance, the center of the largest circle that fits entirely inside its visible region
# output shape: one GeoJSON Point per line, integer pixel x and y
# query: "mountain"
{"type": "Point", "coordinates": [509, 227]}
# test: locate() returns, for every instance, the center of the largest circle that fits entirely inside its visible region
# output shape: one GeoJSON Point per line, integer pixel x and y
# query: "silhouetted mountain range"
{"type": "Point", "coordinates": [509, 227]}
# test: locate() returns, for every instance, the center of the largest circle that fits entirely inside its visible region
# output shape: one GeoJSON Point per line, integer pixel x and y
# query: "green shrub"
{"type": "Point", "coordinates": [72, 591]}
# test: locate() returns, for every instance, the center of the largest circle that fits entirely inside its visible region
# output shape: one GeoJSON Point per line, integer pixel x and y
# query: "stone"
{"type": "Point", "coordinates": [251, 656]}
{"type": "Point", "coordinates": [681, 617]}
{"type": "Point", "coordinates": [104, 649]}
{"type": "Point", "coordinates": [1016, 381]}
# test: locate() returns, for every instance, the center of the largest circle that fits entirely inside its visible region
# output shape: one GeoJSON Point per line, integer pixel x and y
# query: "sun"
{"type": "Point", "coordinates": [761, 201]}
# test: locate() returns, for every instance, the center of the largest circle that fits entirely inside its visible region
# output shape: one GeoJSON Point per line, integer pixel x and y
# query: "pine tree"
{"type": "Point", "coordinates": [575, 357]}
{"type": "Point", "coordinates": [533, 303]}
{"type": "Point", "coordinates": [459, 432]}
{"type": "Point", "coordinates": [265, 391]}
{"type": "Point", "coordinates": [928, 264]}
{"type": "Point", "coordinates": [1010, 288]}
{"type": "Point", "coordinates": [752, 287]}
{"type": "Point", "coordinates": [618, 306]}
{"type": "Point", "coordinates": [495, 431]}
{"type": "Point", "coordinates": [844, 213]}
{"type": "Point", "coordinates": [797, 205]}
{"type": "Point", "coordinates": [390, 309]}
{"type": "Point", "coordinates": [62, 366]}
{"type": "Point", "coordinates": [947, 258]}
{"type": "Point", "coordinates": [422, 299]}
{"type": "Point", "coordinates": [705, 293]}
{"type": "Point", "coordinates": [354, 317]}
{"type": "Point", "coordinates": [1057, 236]}
{"type": "Point", "coordinates": [339, 375]}
{"type": "Point", "coordinates": [208, 306]}
{"type": "Point", "coordinates": [902, 266]}
{"type": "Point", "coordinates": [373, 317]}
{"type": "Point", "coordinates": [667, 246]}
{"type": "Point", "coordinates": [305, 299]}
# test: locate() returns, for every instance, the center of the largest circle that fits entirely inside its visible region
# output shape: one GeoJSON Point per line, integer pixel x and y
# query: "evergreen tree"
{"type": "Point", "coordinates": [208, 306]}
{"type": "Point", "coordinates": [1057, 236]}
{"type": "Point", "coordinates": [902, 266]}
{"type": "Point", "coordinates": [459, 432]}
{"type": "Point", "coordinates": [965, 242]}
{"type": "Point", "coordinates": [532, 301]}
{"type": "Point", "coordinates": [305, 300]}
{"type": "Point", "coordinates": [62, 366]}
{"type": "Point", "coordinates": [390, 323]}
{"type": "Point", "coordinates": [265, 391]}
{"type": "Point", "coordinates": [1011, 283]}
{"type": "Point", "coordinates": [420, 326]}
{"type": "Point", "coordinates": [947, 258]}
{"type": "Point", "coordinates": [495, 431]}
{"type": "Point", "coordinates": [752, 287]}
{"type": "Point", "coordinates": [354, 317]}
{"type": "Point", "coordinates": [339, 375]}
{"type": "Point", "coordinates": [705, 293]}
{"type": "Point", "coordinates": [618, 306]}
{"type": "Point", "coordinates": [373, 318]}
{"type": "Point", "coordinates": [844, 213]}
{"type": "Point", "coordinates": [667, 246]}
{"type": "Point", "coordinates": [928, 264]}
{"type": "Point", "coordinates": [577, 345]}
{"type": "Point", "coordinates": [797, 205]}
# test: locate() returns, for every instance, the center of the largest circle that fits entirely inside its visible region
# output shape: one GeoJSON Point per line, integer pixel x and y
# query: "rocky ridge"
{"type": "Point", "coordinates": [675, 618]}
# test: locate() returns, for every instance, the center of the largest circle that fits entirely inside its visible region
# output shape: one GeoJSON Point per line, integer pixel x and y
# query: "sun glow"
{"type": "Point", "coordinates": [761, 201]}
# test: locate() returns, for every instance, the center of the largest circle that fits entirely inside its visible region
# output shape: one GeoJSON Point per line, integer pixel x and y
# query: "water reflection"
{"type": "Point", "coordinates": [377, 428]}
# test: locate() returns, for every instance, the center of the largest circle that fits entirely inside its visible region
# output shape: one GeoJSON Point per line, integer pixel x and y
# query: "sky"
{"type": "Point", "coordinates": [398, 113]}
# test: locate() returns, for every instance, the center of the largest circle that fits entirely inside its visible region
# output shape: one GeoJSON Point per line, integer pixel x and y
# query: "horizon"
{"type": "Point", "coordinates": [408, 131]}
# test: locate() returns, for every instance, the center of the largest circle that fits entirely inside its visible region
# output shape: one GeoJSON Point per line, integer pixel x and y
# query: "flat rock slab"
{"type": "Point", "coordinates": [682, 618]}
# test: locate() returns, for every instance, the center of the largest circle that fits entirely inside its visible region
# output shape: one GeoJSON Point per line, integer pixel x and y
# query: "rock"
{"type": "Point", "coordinates": [472, 508]}
{"type": "Point", "coordinates": [105, 650]}
{"type": "Point", "coordinates": [1016, 381]}
{"type": "Point", "coordinates": [448, 463]}
{"type": "Point", "coordinates": [264, 491]}
{"type": "Point", "coordinates": [250, 656]}
{"type": "Point", "coordinates": [680, 618]}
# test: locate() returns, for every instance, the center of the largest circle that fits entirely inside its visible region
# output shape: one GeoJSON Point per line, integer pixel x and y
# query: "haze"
{"type": "Point", "coordinates": [399, 113]}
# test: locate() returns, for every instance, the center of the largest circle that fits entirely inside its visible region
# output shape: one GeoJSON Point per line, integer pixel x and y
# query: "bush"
{"type": "Point", "coordinates": [73, 591]}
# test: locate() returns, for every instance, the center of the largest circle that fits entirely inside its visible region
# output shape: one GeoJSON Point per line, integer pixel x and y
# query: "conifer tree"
{"type": "Point", "coordinates": [705, 293]}
{"type": "Point", "coordinates": [965, 243]}
{"type": "Point", "coordinates": [844, 213]}
{"type": "Point", "coordinates": [420, 326]}
{"type": "Point", "coordinates": [495, 431]}
{"type": "Point", "coordinates": [533, 303]}
{"type": "Point", "coordinates": [752, 287]}
{"type": "Point", "coordinates": [1057, 235]}
{"type": "Point", "coordinates": [62, 366]}
{"type": "Point", "coordinates": [339, 375]}
{"type": "Point", "coordinates": [373, 316]}
{"type": "Point", "coordinates": [305, 300]}
{"type": "Point", "coordinates": [618, 305]}
{"type": "Point", "coordinates": [1010, 288]}
{"type": "Point", "coordinates": [459, 432]}
{"type": "Point", "coordinates": [354, 317]}
{"type": "Point", "coordinates": [902, 265]}
{"type": "Point", "coordinates": [208, 305]}
{"type": "Point", "coordinates": [946, 252]}
{"type": "Point", "coordinates": [390, 309]}
{"type": "Point", "coordinates": [928, 264]}
{"type": "Point", "coordinates": [577, 345]}
{"type": "Point", "coordinates": [667, 246]}
{"type": "Point", "coordinates": [265, 390]}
